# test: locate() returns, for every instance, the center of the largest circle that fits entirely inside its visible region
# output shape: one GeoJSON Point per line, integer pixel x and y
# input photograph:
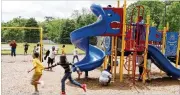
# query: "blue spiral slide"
{"type": "Point", "coordinates": [163, 63]}
{"type": "Point", "coordinates": [80, 38]}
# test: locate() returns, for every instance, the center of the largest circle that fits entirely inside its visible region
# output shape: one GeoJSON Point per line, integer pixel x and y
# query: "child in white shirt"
{"type": "Point", "coordinates": [51, 56]}
{"type": "Point", "coordinates": [106, 76]}
{"type": "Point", "coordinates": [75, 54]}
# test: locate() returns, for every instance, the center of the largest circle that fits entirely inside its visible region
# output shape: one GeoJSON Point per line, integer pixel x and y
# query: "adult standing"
{"type": "Point", "coordinates": [13, 49]}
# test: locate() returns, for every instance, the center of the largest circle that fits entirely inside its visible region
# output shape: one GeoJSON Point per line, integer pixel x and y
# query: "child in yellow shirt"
{"type": "Point", "coordinates": [38, 67]}
{"type": "Point", "coordinates": [63, 50]}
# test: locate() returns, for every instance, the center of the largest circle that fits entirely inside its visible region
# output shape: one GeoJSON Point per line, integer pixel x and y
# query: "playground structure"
{"type": "Point", "coordinates": [37, 28]}
{"type": "Point", "coordinates": [135, 39]}
{"type": "Point", "coordinates": [132, 40]}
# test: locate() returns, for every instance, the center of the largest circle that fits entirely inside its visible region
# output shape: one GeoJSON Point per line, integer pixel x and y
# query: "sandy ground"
{"type": "Point", "coordinates": [16, 81]}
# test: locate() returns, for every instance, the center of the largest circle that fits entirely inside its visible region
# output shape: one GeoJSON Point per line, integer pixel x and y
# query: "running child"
{"type": "Point", "coordinates": [51, 56]}
{"type": "Point", "coordinates": [38, 68]}
{"type": "Point", "coordinates": [26, 46]}
{"type": "Point", "coordinates": [63, 50]}
{"type": "Point", "coordinates": [75, 54]}
{"type": "Point", "coordinates": [66, 65]}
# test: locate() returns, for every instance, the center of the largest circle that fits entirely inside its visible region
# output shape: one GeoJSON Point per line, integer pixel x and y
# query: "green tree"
{"type": "Point", "coordinates": [13, 34]}
{"type": "Point", "coordinates": [54, 27]}
{"type": "Point", "coordinates": [153, 8]}
{"type": "Point", "coordinates": [173, 16]}
{"type": "Point", "coordinates": [67, 27]}
{"type": "Point", "coordinates": [31, 35]}
{"type": "Point", "coordinates": [84, 18]}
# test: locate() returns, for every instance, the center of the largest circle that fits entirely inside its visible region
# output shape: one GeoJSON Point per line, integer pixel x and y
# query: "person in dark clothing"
{"type": "Point", "coordinates": [141, 67]}
{"type": "Point", "coordinates": [139, 29]}
{"type": "Point", "coordinates": [66, 65]}
{"type": "Point", "coordinates": [13, 49]}
{"type": "Point", "coordinates": [51, 54]}
{"type": "Point", "coordinates": [109, 6]}
{"type": "Point", "coordinates": [26, 46]}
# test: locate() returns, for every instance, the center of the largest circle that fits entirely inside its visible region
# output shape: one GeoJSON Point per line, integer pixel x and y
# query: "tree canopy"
{"type": "Point", "coordinates": [59, 29]}
{"type": "Point", "coordinates": [156, 10]}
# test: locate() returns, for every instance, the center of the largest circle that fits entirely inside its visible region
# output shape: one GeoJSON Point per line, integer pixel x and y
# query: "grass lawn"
{"type": "Point", "coordinates": [20, 48]}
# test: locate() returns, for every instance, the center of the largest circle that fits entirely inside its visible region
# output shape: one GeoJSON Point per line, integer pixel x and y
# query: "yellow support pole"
{"type": "Point", "coordinates": [20, 28]}
{"type": "Point", "coordinates": [112, 54]}
{"type": "Point", "coordinates": [41, 43]}
{"type": "Point", "coordinates": [178, 49]}
{"type": "Point", "coordinates": [115, 57]}
{"type": "Point", "coordinates": [123, 43]}
{"type": "Point", "coordinates": [116, 38]}
{"type": "Point", "coordinates": [163, 42]}
{"type": "Point", "coordinates": [167, 26]}
{"type": "Point", "coordinates": [146, 48]}
{"type": "Point", "coordinates": [118, 3]}
{"type": "Point", "coordinates": [105, 62]}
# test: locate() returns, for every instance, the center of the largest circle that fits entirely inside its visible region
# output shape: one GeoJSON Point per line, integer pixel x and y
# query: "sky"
{"type": "Point", "coordinates": [40, 9]}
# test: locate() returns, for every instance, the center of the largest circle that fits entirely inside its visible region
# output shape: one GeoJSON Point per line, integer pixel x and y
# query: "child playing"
{"type": "Point", "coordinates": [38, 48]}
{"type": "Point", "coordinates": [38, 67]}
{"type": "Point", "coordinates": [63, 62]}
{"type": "Point", "coordinates": [34, 50]}
{"type": "Point", "coordinates": [63, 49]}
{"type": "Point", "coordinates": [149, 62]}
{"type": "Point", "coordinates": [51, 56]}
{"type": "Point", "coordinates": [75, 54]}
{"type": "Point", "coordinates": [26, 46]}
{"type": "Point", "coordinates": [106, 76]}
{"type": "Point", "coordinates": [141, 67]}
